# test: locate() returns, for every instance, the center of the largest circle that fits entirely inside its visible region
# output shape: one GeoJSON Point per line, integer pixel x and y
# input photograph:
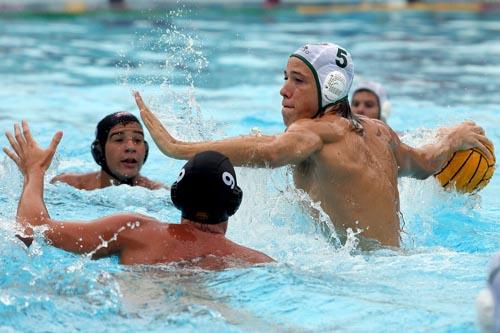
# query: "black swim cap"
{"type": "Point", "coordinates": [206, 189]}
{"type": "Point", "coordinates": [101, 136]}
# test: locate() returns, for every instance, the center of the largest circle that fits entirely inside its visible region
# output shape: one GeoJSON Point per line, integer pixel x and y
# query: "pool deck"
{"type": "Point", "coordinates": [303, 6]}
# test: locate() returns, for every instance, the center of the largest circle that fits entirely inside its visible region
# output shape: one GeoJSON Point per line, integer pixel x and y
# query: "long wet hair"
{"type": "Point", "coordinates": [343, 108]}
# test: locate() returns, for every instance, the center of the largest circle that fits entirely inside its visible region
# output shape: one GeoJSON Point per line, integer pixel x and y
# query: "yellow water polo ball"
{"type": "Point", "coordinates": [468, 170]}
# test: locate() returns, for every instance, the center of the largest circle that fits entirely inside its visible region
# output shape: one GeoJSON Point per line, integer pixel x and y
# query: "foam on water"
{"type": "Point", "coordinates": [186, 73]}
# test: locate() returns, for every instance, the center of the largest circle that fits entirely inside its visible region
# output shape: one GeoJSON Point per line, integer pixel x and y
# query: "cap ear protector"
{"type": "Point", "coordinates": [234, 201]}
{"type": "Point", "coordinates": [176, 197]}
{"type": "Point", "coordinates": [97, 151]}
{"type": "Point", "coordinates": [183, 200]}
{"type": "Point", "coordinates": [334, 88]}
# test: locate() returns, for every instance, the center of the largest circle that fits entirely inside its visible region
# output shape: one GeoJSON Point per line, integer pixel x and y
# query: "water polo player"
{"type": "Point", "coordinates": [370, 99]}
{"type": "Point", "coordinates": [206, 192]}
{"type": "Point", "coordinates": [120, 149]}
{"type": "Point", "coordinates": [349, 164]}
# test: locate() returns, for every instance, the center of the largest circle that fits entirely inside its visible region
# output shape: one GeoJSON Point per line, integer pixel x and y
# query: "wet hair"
{"type": "Point", "coordinates": [101, 137]}
{"type": "Point", "coordinates": [206, 190]}
{"type": "Point", "coordinates": [343, 108]}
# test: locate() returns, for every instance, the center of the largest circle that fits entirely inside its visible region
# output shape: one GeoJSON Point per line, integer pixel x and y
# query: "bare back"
{"type": "Point", "coordinates": [157, 242]}
{"type": "Point", "coordinates": [354, 176]}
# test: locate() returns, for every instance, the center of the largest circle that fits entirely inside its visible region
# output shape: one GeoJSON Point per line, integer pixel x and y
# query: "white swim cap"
{"type": "Point", "coordinates": [488, 301]}
{"type": "Point", "coordinates": [381, 93]}
{"type": "Point", "coordinates": [494, 284]}
{"type": "Point", "coordinates": [484, 311]}
{"type": "Point", "coordinates": [332, 68]}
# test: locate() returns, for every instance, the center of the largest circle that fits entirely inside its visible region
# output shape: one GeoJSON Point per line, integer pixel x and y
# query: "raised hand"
{"type": "Point", "coordinates": [158, 132]}
{"type": "Point", "coordinates": [28, 156]}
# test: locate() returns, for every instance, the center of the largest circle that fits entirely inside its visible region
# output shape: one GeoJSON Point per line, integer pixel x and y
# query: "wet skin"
{"type": "Point", "coordinates": [135, 238]}
{"type": "Point", "coordinates": [353, 175]}
{"type": "Point", "coordinates": [125, 150]}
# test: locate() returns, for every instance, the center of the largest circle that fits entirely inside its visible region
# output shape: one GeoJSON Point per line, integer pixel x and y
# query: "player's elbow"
{"type": "Point", "coordinates": [273, 156]}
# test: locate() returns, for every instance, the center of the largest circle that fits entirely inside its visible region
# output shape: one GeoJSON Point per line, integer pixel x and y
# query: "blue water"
{"type": "Point", "coordinates": [210, 74]}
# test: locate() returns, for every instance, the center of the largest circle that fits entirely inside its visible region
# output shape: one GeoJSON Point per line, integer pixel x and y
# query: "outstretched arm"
{"type": "Point", "coordinates": [291, 147]}
{"type": "Point", "coordinates": [100, 236]}
{"type": "Point", "coordinates": [425, 161]}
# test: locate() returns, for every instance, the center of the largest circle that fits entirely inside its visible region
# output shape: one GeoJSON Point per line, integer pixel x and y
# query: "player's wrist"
{"type": "Point", "coordinates": [35, 172]}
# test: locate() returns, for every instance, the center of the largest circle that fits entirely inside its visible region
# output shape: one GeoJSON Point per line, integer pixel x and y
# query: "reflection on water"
{"type": "Point", "coordinates": [170, 294]}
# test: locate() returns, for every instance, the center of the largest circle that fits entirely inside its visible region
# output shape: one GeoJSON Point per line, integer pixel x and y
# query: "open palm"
{"type": "Point", "coordinates": [27, 154]}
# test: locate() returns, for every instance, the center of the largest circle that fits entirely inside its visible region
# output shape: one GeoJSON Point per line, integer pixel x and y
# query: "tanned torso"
{"type": "Point", "coordinates": [155, 242]}
{"type": "Point", "coordinates": [354, 176]}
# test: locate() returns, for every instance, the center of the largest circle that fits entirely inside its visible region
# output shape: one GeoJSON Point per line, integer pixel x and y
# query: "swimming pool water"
{"type": "Point", "coordinates": [215, 73]}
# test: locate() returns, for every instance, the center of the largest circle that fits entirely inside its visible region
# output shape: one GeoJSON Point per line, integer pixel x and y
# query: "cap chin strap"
{"type": "Point", "coordinates": [127, 181]}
